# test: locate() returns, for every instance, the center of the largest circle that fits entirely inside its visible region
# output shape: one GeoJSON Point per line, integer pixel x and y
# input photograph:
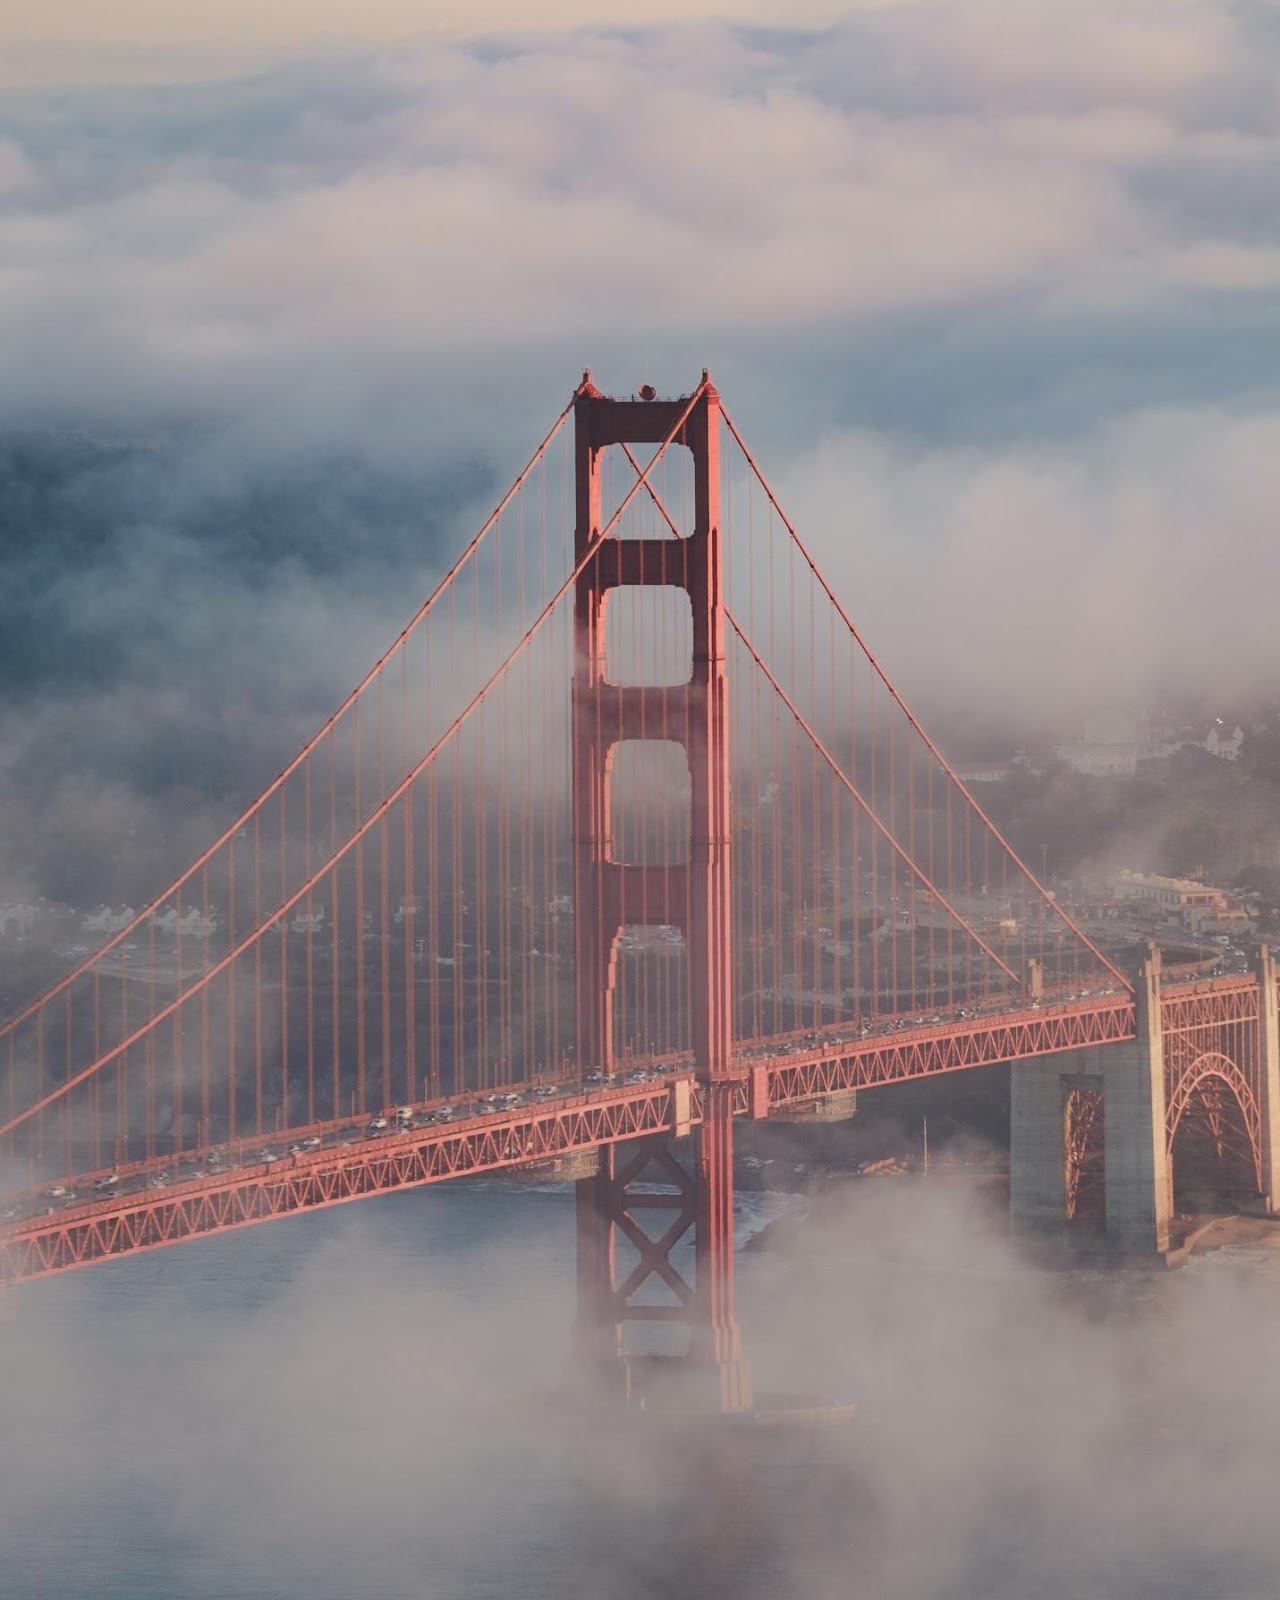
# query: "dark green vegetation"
{"type": "Point", "coordinates": [1190, 815]}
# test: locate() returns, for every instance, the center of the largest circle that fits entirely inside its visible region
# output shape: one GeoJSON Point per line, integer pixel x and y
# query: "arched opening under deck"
{"type": "Point", "coordinates": [1215, 1146]}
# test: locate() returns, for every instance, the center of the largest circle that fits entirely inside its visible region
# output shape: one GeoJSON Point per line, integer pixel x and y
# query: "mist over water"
{"type": "Point", "coordinates": [369, 1402]}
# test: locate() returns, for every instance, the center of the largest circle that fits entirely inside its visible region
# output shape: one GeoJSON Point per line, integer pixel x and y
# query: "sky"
{"type": "Point", "coordinates": [287, 296]}
{"type": "Point", "coordinates": [147, 39]}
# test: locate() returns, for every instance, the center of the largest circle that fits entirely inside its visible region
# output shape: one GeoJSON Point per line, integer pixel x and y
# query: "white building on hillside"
{"type": "Point", "coordinates": [1226, 746]}
{"type": "Point", "coordinates": [1112, 744]}
{"type": "Point", "coordinates": [1109, 746]}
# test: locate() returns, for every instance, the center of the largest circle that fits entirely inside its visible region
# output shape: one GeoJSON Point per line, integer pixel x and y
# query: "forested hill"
{"type": "Point", "coordinates": [1189, 815]}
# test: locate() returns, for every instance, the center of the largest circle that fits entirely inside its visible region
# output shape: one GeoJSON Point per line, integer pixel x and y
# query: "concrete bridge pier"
{"type": "Point", "coordinates": [1071, 1111]}
{"type": "Point", "coordinates": [1269, 1079]}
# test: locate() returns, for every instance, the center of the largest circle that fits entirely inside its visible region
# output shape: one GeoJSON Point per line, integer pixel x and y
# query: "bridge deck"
{"type": "Point", "coordinates": [147, 1205]}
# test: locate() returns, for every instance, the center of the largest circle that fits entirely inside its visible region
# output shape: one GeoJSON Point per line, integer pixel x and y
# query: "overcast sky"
{"type": "Point", "coordinates": [993, 290]}
{"type": "Point", "coordinates": [150, 39]}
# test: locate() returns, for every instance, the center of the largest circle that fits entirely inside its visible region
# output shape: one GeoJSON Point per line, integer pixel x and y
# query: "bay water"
{"type": "Point", "coordinates": [373, 1401]}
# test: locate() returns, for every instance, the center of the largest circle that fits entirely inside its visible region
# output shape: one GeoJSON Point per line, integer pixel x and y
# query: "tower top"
{"type": "Point", "coordinates": [588, 389]}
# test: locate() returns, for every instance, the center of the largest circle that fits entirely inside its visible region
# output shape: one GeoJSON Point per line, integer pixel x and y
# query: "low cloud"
{"type": "Point", "coordinates": [1132, 566]}
{"type": "Point", "coordinates": [379, 1400]}
{"type": "Point", "coordinates": [391, 221]}
{"type": "Point", "coordinates": [992, 299]}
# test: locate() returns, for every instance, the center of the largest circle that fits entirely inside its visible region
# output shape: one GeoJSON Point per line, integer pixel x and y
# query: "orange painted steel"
{"type": "Point", "coordinates": [612, 892]}
{"type": "Point", "coordinates": [1212, 1068]}
{"type": "Point", "coordinates": [38, 1246]}
{"type": "Point", "coordinates": [1084, 1142]}
{"type": "Point", "coordinates": [924, 1052]}
{"type": "Point", "coordinates": [312, 1180]}
{"type": "Point", "coordinates": [255, 1191]}
{"type": "Point", "coordinates": [418, 849]}
{"type": "Point", "coordinates": [1202, 1088]}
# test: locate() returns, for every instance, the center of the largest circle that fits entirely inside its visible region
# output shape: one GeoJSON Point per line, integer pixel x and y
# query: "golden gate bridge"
{"type": "Point", "coordinates": [627, 835]}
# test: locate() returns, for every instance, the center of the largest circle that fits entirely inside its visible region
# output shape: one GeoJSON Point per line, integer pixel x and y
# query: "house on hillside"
{"type": "Point", "coordinates": [1226, 746]}
{"type": "Point", "coordinates": [1109, 746]}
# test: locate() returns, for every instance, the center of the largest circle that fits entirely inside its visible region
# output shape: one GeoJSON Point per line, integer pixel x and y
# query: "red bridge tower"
{"type": "Point", "coordinates": [611, 894]}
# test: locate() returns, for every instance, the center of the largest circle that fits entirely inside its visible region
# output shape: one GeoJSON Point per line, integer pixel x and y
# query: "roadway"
{"type": "Point", "coordinates": [71, 1221]}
